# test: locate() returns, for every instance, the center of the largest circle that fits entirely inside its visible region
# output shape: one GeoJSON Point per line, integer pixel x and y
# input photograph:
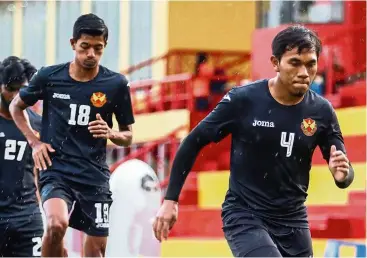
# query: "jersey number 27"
{"type": "Point", "coordinates": [14, 149]}
{"type": "Point", "coordinates": [287, 142]}
{"type": "Point", "coordinates": [79, 116]}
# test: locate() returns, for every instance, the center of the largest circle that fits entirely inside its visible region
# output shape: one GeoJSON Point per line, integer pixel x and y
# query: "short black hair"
{"type": "Point", "coordinates": [90, 24]}
{"type": "Point", "coordinates": [15, 71]}
{"type": "Point", "coordinates": [295, 36]}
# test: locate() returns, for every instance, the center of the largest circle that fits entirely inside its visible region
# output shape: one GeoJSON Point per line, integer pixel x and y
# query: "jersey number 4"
{"type": "Point", "coordinates": [81, 117]}
{"type": "Point", "coordinates": [11, 150]}
{"type": "Point", "coordinates": [287, 142]}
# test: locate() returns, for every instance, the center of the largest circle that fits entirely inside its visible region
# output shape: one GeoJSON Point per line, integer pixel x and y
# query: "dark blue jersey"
{"type": "Point", "coordinates": [68, 107]}
{"type": "Point", "coordinates": [272, 148]}
{"type": "Point", "coordinates": [271, 152]}
{"type": "Point", "coordinates": [17, 184]}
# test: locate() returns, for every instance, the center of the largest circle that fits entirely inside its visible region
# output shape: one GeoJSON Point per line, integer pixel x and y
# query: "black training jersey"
{"type": "Point", "coordinates": [272, 148]}
{"type": "Point", "coordinates": [68, 107]}
{"type": "Point", "coordinates": [17, 184]}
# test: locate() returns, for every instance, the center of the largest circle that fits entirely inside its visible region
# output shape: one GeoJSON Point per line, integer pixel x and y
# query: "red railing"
{"type": "Point", "coordinates": [183, 61]}
{"type": "Point", "coordinates": [175, 91]}
{"type": "Point", "coordinates": [170, 142]}
{"type": "Point", "coordinates": [334, 51]}
{"type": "Point", "coordinates": [172, 92]}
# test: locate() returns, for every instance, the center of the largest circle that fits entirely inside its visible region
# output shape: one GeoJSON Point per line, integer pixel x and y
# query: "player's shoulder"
{"type": "Point", "coordinates": [318, 101]}
{"type": "Point", "coordinates": [46, 71]}
{"type": "Point", "coordinates": [118, 78]}
{"type": "Point", "coordinates": [249, 90]}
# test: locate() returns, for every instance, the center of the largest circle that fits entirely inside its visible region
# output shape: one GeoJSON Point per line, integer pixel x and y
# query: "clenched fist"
{"type": "Point", "coordinates": [338, 164]}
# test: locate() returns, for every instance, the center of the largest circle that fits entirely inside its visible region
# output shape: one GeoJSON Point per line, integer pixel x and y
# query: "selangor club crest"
{"type": "Point", "coordinates": [308, 126]}
{"type": "Point", "coordinates": [98, 99]}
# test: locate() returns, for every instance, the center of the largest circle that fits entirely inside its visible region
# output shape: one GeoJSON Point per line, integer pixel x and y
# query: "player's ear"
{"type": "Point", "coordinates": [72, 43]}
{"type": "Point", "coordinates": [275, 62]}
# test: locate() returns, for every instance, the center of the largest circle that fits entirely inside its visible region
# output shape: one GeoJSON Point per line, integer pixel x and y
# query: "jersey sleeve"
{"type": "Point", "coordinates": [34, 91]}
{"type": "Point", "coordinates": [332, 135]}
{"type": "Point", "coordinates": [123, 107]}
{"type": "Point", "coordinates": [222, 119]}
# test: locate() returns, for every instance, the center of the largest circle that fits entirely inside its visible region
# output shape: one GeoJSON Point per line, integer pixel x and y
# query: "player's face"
{"type": "Point", "coordinates": [7, 96]}
{"type": "Point", "coordinates": [297, 71]}
{"type": "Point", "coordinates": [88, 50]}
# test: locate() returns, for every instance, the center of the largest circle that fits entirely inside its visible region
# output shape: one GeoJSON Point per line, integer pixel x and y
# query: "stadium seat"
{"type": "Point", "coordinates": [357, 198]}
{"type": "Point", "coordinates": [333, 248]}
{"type": "Point", "coordinates": [354, 94]}
{"type": "Point", "coordinates": [189, 194]}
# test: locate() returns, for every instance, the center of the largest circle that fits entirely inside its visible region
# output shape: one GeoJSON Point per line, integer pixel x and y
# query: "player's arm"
{"type": "Point", "coordinates": [334, 152]}
{"type": "Point", "coordinates": [26, 97]}
{"type": "Point", "coordinates": [123, 137]}
{"type": "Point", "coordinates": [216, 126]}
{"type": "Point", "coordinates": [124, 116]}
{"type": "Point", "coordinates": [35, 122]}
{"type": "Point", "coordinates": [100, 129]}
{"type": "Point", "coordinates": [17, 108]}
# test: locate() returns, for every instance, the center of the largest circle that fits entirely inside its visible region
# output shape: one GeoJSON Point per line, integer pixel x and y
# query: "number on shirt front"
{"type": "Point", "coordinates": [287, 142]}
{"type": "Point", "coordinates": [79, 116]}
{"type": "Point", "coordinates": [101, 216]}
{"type": "Point", "coordinates": [14, 149]}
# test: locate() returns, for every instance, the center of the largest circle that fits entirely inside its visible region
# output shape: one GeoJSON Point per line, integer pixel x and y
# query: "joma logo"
{"type": "Point", "coordinates": [263, 123]}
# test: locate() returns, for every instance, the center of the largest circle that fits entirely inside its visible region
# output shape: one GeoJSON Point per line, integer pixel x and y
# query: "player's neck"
{"type": "Point", "coordinates": [280, 94]}
{"type": "Point", "coordinates": [81, 74]}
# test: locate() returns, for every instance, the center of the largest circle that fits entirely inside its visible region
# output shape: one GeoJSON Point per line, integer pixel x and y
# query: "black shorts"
{"type": "Point", "coordinates": [88, 205]}
{"type": "Point", "coordinates": [21, 237]}
{"type": "Point", "coordinates": [249, 236]}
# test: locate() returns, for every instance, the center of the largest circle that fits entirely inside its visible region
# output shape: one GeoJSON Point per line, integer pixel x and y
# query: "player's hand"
{"type": "Point", "coordinates": [165, 219]}
{"type": "Point", "coordinates": [40, 155]}
{"type": "Point", "coordinates": [338, 164]}
{"type": "Point", "coordinates": [99, 128]}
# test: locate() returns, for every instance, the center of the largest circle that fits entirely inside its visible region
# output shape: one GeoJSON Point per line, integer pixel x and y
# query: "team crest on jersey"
{"type": "Point", "coordinates": [98, 99]}
{"type": "Point", "coordinates": [309, 126]}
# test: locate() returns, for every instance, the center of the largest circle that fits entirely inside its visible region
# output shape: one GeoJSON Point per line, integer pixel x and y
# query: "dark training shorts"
{"type": "Point", "coordinates": [21, 237]}
{"type": "Point", "coordinates": [251, 237]}
{"type": "Point", "coordinates": [88, 206]}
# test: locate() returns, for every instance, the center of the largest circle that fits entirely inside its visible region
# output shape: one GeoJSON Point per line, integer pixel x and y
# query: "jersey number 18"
{"type": "Point", "coordinates": [82, 118]}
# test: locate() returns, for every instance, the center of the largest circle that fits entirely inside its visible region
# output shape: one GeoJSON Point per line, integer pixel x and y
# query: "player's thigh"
{"type": "Point", "coordinates": [57, 200]}
{"type": "Point", "coordinates": [27, 239]}
{"type": "Point", "coordinates": [250, 241]}
{"type": "Point", "coordinates": [91, 213]}
{"type": "Point", "coordinates": [293, 242]}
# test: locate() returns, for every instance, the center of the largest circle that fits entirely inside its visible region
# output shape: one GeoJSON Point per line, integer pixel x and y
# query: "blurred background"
{"type": "Point", "coordinates": [181, 57]}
